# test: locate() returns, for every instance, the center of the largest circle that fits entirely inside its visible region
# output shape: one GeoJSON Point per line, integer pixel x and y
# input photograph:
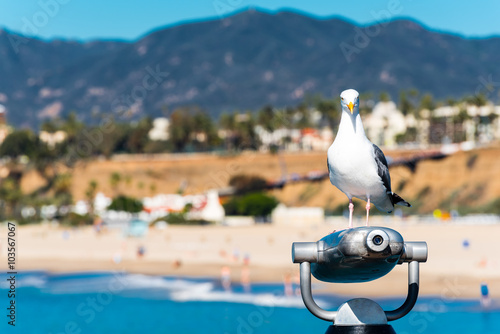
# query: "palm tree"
{"type": "Point", "coordinates": [477, 100]}
{"type": "Point", "coordinates": [427, 102]}
{"type": "Point", "coordinates": [384, 97]}
{"type": "Point", "coordinates": [266, 118]}
{"type": "Point", "coordinates": [11, 195]}
{"type": "Point", "coordinates": [90, 193]}
{"type": "Point", "coordinates": [330, 111]}
{"type": "Point", "coordinates": [62, 188]}
{"type": "Point", "coordinates": [114, 181]}
{"type": "Point", "coordinates": [405, 104]}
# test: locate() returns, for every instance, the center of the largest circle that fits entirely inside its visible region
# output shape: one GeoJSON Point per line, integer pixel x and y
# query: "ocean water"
{"type": "Point", "coordinates": [132, 303]}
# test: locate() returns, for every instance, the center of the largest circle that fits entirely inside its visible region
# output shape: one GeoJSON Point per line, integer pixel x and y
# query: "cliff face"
{"type": "Point", "coordinates": [466, 181]}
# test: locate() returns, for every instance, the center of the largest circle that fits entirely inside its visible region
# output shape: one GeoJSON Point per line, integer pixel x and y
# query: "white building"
{"type": "Point", "coordinates": [206, 207]}
{"type": "Point", "coordinates": [165, 203]}
{"type": "Point", "coordinates": [297, 216]}
{"type": "Point", "coordinates": [288, 138]}
{"type": "Point", "coordinates": [160, 130]}
{"type": "Point", "coordinates": [211, 209]}
{"type": "Point", "coordinates": [316, 140]}
{"type": "Point", "coordinates": [384, 124]}
{"type": "Point", "coordinates": [101, 203]}
{"type": "Point", "coordinates": [485, 131]}
{"type": "Point", "coordinates": [296, 139]}
{"type": "Point", "coordinates": [52, 138]}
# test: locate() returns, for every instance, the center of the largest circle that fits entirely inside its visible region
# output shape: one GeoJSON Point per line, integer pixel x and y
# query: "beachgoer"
{"type": "Point", "coordinates": [485, 295]}
{"type": "Point", "coordinates": [225, 277]}
{"type": "Point", "coordinates": [287, 283]}
{"type": "Point", "coordinates": [141, 250]}
{"type": "Point", "coordinates": [245, 278]}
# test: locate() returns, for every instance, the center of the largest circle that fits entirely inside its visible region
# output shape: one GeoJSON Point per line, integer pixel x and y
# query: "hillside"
{"type": "Point", "coordinates": [245, 61]}
{"type": "Point", "coordinates": [466, 180]}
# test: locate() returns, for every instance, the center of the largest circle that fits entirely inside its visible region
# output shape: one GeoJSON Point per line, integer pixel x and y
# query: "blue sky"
{"type": "Point", "coordinates": [129, 19]}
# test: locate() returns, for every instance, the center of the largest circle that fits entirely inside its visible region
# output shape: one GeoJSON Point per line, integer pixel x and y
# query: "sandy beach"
{"type": "Point", "coordinates": [452, 271]}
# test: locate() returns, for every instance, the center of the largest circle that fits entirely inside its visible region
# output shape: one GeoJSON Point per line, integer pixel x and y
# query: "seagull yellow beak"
{"type": "Point", "coordinates": [350, 106]}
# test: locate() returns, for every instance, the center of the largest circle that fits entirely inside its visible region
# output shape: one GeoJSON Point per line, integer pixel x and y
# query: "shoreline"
{"type": "Point", "coordinates": [451, 272]}
{"type": "Point", "coordinates": [463, 288]}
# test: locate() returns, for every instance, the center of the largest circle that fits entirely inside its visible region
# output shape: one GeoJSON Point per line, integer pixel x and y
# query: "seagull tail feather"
{"type": "Point", "coordinates": [396, 199]}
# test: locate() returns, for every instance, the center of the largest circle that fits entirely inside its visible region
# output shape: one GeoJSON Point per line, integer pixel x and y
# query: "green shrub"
{"type": "Point", "coordinates": [255, 204]}
{"type": "Point", "coordinates": [74, 219]}
{"type": "Point", "coordinates": [179, 219]}
{"type": "Point", "coordinates": [124, 203]}
{"type": "Point", "coordinates": [247, 183]}
{"type": "Point", "coordinates": [231, 207]}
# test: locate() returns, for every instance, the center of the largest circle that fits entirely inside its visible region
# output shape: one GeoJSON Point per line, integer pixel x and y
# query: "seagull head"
{"type": "Point", "coordinates": [349, 99]}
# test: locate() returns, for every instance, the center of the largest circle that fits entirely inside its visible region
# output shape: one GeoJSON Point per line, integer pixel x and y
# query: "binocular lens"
{"type": "Point", "coordinates": [378, 240]}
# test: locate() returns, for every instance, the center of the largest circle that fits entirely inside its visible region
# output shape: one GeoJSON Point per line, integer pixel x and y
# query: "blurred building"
{"type": "Point", "coordinates": [166, 203]}
{"type": "Point", "coordinates": [297, 216]}
{"type": "Point", "coordinates": [238, 221]}
{"type": "Point", "coordinates": [52, 138]}
{"type": "Point", "coordinates": [387, 126]}
{"type": "Point", "coordinates": [308, 139]}
{"type": "Point", "coordinates": [384, 123]}
{"type": "Point", "coordinates": [288, 139]}
{"type": "Point", "coordinates": [160, 130]}
{"type": "Point", "coordinates": [316, 140]}
{"type": "Point", "coordinates": [203, 207]}
{"type": "Point", "coordinates": [210, 210]}
{"type": "Point", "coordinates": [101, 203]}
{"type": "Point", "coordinates": [466, 122]}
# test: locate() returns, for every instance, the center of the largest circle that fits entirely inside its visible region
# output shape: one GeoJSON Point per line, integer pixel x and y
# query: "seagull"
{"type": "Point", "coordinates": [356, 166]}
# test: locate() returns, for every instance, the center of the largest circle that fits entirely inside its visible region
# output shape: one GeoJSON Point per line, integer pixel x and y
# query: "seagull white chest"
{"type": "Point", "coordinates": [353, 169]}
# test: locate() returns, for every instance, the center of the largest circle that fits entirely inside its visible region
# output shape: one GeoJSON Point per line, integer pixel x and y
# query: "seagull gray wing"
{"type": "Point", "coordinates": [383, 168]}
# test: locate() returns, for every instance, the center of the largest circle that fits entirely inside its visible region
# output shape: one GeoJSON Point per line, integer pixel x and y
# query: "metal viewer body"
{"type": "Point", "coordinates": [360, 254]}
{"type": "Point", "coordinates": [357, 255]}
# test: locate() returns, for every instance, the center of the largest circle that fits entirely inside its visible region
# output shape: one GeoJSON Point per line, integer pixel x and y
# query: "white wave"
{"type": "Point", "coordinates": [119, 283]}
{"type": "Point", "coordinates": [207, 294]}
{"type": "Point", "coordinates": [138, 281]}
{"type": "Point", "coordinates": [427, 307]}
{"type": "Point", "coordinates": [26, 282]}
{"type": "Point", "coordinates": [176, 289]}
{"type": "Point", "coordinates": [32, 281]}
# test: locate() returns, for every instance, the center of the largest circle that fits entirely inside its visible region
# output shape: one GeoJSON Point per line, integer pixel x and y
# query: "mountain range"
{"type": "Point", "coordinates": [244, 61]}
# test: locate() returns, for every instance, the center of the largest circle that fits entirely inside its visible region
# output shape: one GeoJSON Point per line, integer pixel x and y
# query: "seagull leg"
{"type": "Point", "coordinates": [351, 210]}
{"type": "Point", "coordinates": [367, 211]}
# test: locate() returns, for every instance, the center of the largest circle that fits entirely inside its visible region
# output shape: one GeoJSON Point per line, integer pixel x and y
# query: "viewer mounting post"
{"type": "Point", "coordinates": [360, 254]}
